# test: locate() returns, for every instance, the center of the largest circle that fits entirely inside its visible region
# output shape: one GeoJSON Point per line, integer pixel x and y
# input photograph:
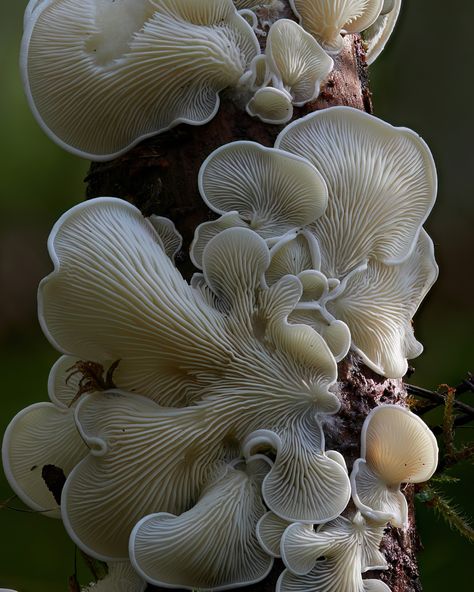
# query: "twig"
{"type": "Point", "coordinates": [440, 398]}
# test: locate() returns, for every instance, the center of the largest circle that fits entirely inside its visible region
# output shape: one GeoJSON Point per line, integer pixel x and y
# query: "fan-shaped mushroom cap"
{"type": "Point", "coordinates": [296, 61]}
{"type": "Point", "coordinates": [382, 178]}
{"type": "Point", "coordinates": [234, 355]}
{"type": "Point", "coordinates": [43, 434]}
{"type": "Point", "coordinates": [300, 457]}
{"type": "Point", "coordinates": [97, 88]}
{"type": "Point", "coordinates": [270, 529]}
{"type": "Point", "coordinates": [213, 545]}
{"type": "Point", "coordinates": [271, 105]}
{"type": "Point", "coordinates": [116, 295]}
{"type": "Point", "coordinates": [271, 191]}
{"type": "Point", "coordinates": [396, 447]}
{"type": "Point", "coordinates": [333, 558]}
{"type": "Point", "coordinates": [326, 19]}
{"type": "Point", "coordinates": [392, 293]}
{"type": "Point", "coordinates": [377, 35]}
{"type": "Point", "coordinates": [121, 578]}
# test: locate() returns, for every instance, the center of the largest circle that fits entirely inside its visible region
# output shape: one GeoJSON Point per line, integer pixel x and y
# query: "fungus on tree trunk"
{"type": "Point", "coordinates": [159, 176]}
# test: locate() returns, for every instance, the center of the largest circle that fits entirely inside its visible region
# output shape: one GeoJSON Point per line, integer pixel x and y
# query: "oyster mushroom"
{"type": "Point", "coordinates": [97, 88]}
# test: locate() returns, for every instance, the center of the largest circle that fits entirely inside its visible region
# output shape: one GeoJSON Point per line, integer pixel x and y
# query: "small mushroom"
{"type": "Point", "coordinates": [326, 19]}
{"type": "Point", "coordinates": [100, 76]}
{"type": "Point", "coordinates": [392, 293]}
{"type": "Point", "coordinates": [297, 63]}
{"type": "Point", "coordinates": [212, 546]}
{"type": "Point", "coordinates": [270, 529]}
{"type": "Point", "coordinates": [300, 457]}
{"type": "Point", "coordinates": [396, 447]}
{"type": "Point", "coordinates": [333, 558]}
{"type": "Point", "coordinates": [44, 434]}
{"type": "Point", "coordinates": [377, 35]}
{"type": "Point", "coordinates": [271, 105]}
{"type": "Point", "coordinates": [230, 363]}
{"type": "Point", "coordinates": [267, 190]}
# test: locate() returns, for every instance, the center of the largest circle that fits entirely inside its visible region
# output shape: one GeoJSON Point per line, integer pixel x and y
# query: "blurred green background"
{"type": "Point", "coordinates": [423, 81]}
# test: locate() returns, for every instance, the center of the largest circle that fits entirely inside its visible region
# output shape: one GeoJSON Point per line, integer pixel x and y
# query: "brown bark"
{"type": "Point", "coordinates": [160, 177]}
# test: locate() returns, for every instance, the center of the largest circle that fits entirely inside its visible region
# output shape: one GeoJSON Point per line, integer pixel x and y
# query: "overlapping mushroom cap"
{"type": "Point", "coordinates": [225, 346]}
{"type": "Point", "coordinates": [296, 67]}
{"type": "Point", "coordinates": [100, 75]}
{"type": "Point", "coordinates": [42, 435]}
{"type": "Point", "coordinates": [267, 190]}
{"type": "Point", "coordinates": [333, 558]}
{"type": "Point", "coordinates": [378, 34]}
{"type": "Point", "coordinates": [365, 263]}
{"type": "Point", "coordinates": [396, 447]}
{"type": "Point", "coordinates": [326, 19]}
{"type": "Point", "coordinates": [180, 551]}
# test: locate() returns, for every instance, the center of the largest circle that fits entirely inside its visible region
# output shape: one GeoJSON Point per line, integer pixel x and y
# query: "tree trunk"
{"type": "Point", "coordinates": [159, 176]}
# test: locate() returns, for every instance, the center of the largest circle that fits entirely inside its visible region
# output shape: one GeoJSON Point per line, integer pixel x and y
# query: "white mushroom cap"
{"type": "Point", "coordinates": [378, 34]}
{"type": "Point", "coordinates": [300, 457]}
{"type": "Point", "coordinates": [333, 558]}
{"type": "Point", "coordinates": [43, 434]}
{"type": "Point", "coordinates": [382, 178]}
{"type": "Point", "coordinates": [392, 293]}
{"type": "Point", "coordinates": [271, 105]}
{"type": "Point", "coordinates": [396, 447]}
{"type": "Point", "coordinates": [100, 76]}
{"type": "Point", "coordinates": [326, 19]}
{"type": "Point", "coordinates": [267, 190]}
{"type": "Point", "coordinates": [171, 239]}
{"type": "Point", "coordinates": [274, 191]}
{"type": "Point", "coordinates": [212, 546]}
{"type": "Point", "coordinates": [121, 578]}
{"type": "Point", "coordinates": [270, 529]}
{"type": "Point", "coordinates": [116, 295]}
{"type": "Point", "coordinates": [293, 254]}
{"type": "Point", "coordinates": [234, 356]}
{"type": "Point", "coordinates": [296, 61]}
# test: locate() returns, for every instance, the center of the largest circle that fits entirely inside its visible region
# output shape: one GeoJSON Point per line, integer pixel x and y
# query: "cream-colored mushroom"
{"type": "Point", "coordinates": [391, 293]}
{"type": "Point", "coordinates": [121, 577]}
{"type": "Point", "coordinates": [396, 447]}
{"type": "Point", "coordinates": [377, 35]}
{"type": "Point", "coordinates": [212, 546]}
{"type": "Point", "coordinates": [382, 178]}
{"type": "Point", "coordinates": [102, 75]}
{"type": "Point", "coordinates": [272, 192]}
{"type": "Point", "coordinates": [298, 64]}
{"type": "Point", "coordinates": [271, 105]}
{"type": "Point", "coordinates": [44, 434]}
{"type": "Point", "coordinates": [270, 529]}
{"type": "Point", "coordinates": [333, 558]}
{"type": "Point", "coordinates": [327, 19]}
{"type": "Point", "coordinates": [171, 239]}
{"type": "Point", "coordinates": [234, 357]}
{"type": "Point", "coordinates": [300, 456]}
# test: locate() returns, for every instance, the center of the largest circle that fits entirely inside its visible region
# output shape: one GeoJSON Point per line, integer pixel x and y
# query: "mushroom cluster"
{"type": "Point", "coordinates": [102, 75]}
{"type": "Point", "coordinates": [198, 409]}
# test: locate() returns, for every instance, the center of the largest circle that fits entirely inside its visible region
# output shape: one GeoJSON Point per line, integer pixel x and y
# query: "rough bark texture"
{"type": "Point", "coordinates": [160, 177]}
